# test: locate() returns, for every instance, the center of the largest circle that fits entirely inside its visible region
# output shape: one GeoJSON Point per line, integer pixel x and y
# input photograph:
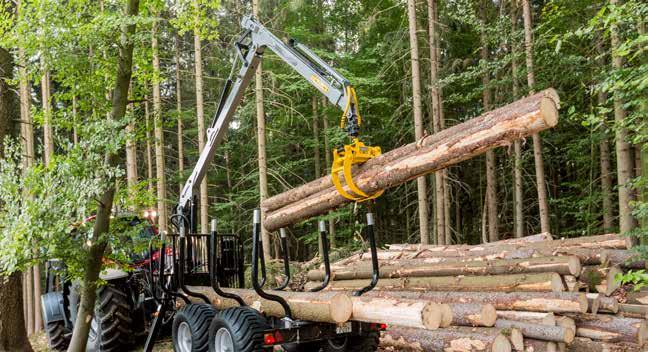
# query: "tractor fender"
{"type": "Point", "coordinates": [112, 274]}
{"type": "Point", "coordinates": [52, 306]}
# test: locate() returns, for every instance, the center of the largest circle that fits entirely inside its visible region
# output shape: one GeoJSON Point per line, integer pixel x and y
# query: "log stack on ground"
{"type": "Point", "coordinates": [549, 294]}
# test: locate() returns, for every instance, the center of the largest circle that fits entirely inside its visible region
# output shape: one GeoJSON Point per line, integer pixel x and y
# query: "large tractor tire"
{"type": "Point", "coordinates": [110, 329]}
{"type": "Point", "coordinates": [57, 338]}
{"type": "Point", "coordinates": [237, 329]}
{"type": "Point", "coordinates": [190, 329]}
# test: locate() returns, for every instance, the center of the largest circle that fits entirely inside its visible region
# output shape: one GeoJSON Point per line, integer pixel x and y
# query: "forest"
{"type": "Point", "coordinates": [106, 105]}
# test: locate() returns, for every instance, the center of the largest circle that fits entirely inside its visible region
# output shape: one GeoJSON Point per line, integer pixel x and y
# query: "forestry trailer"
{"type": "Point", "coordinates": [226, 322]}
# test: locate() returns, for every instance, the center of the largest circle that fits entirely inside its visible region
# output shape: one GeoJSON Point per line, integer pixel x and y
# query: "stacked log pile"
{"type": "Point", "coordinates": [532, 294]}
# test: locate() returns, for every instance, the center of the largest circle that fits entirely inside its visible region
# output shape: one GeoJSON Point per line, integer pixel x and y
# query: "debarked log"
{"type": "Point", "coordinates": [493, 129]}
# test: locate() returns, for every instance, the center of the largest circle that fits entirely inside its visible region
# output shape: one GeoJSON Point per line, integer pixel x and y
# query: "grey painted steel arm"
{"type": "Point", "coordinates": [255, 39]}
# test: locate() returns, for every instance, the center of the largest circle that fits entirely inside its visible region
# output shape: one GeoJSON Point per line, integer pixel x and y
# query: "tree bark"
{"type": "Point", "coordinates": [605, 304]}
{"type": "Point", "coordinates": [131, 153]}
{"type": "Point", "coordinates": [102, 220]}
{"type": "Point", "coordinates": [541, 237]}
{"type": "Point", "coordinates": [518, 200]}
{"type": "Point", "coordinates": [537, 144]}
{"type": "Point", "coordinates": [158, 128]}
{"type": "Point", "coordinates": [200, 116]}
{"type": "Point", "coordinates": [533, 345]}
{"type": "Point", "coordinates": [557, 302]}
{"type": "Point", "coordinates": [149, 152]}
{"type": "Point", "coordinates": [48, 134]}
{"type": "Point", "coordinates": [180, 127]}
{"type": "Point", "coordinates": [542, 282]}
{"type": "Point", "coordinates": [456, 339]}
{"type": "Point", "coordinates": [623, 258]}
{"type": "Point", "coordinates": [638, 311]}
{"type": "Point", "coordinates": [13, 335]}
{"type": "Point", "coordinates": [560, 265]}
{"type": "Point", "coordinates": [582, 344]}
{"type": "Point", "coordinates": [436, 119]}
{"type": "Point", "coordinates": [538, 331]}
{"type": "Point", "coordinates": [452, 145]}
{"type": "Point", "coordinates": [473, 314]}
{"type": "Point", "coordinates": [261, 146]}
{"type": "Point", "coordinates": [421, 183]}
{"type": "Point", "coordinates": [609, 328]}
{"type": "Point", "coordinates": [327, 307]}
{"type": "Point", "coordinates": [625, 163]}
{"type": "Point", "coordinates": [604, 150]}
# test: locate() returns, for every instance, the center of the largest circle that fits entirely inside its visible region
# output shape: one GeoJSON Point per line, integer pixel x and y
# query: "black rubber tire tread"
{"type": "Point", "coordinates": [366, 343]}
{"type": "Point", "coordinates": [114, 321]}
{"type": "Point", "coordinates": [56, 336]}
{"type": "Point", "coordinates": [199, 318]}
{"type": "Point", "coordinates": [245, 324]}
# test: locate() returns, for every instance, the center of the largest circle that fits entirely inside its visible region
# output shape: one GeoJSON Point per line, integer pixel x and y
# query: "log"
{"type": "Point", "coordinates": [582, 344]}
{"type": "Point", "coordinates": [540, 282]}
{"type": "Point", "coordinates": [560, 265]}
{"type": "Point", "coordinates": [540, 318]}
{"type": "Point", "coordinates": [493, 129]}
{"type": "Point", "coordinates": [637, 297]}
{"type": "Point", "coordinates": [624, 258]}
{"type": "Point", "coordinates": [571, 283]}
{"type": "Point", "coordinates": [545, 236]}
{"type": "Point", "coordinates": [446, 316]}
{"type": "Point", "coordinates": [566, 322]}
{"type": "Point", "coordinates": [557, 302]}
{"type": "Point", "coordinates": [537, 331]}
{"type": "Point", "coordinates": [455, 339]}
{"type": "Point", "coordinates": [327, 307]}
{"type": "Point", "coordinates": [610, 328]}
{"type": "Point", "coordinates": [401, 312]}
{"type": "Point", "coordinates": [600, 278]}
{"type": "Point", "coordinates": [534, 345]}
{"type": "Point", "coordinates": [638, 311]}
{"type": "Point", "coordinates": [605, 304]}
{"type": "Point", "coordinates": [473, 314]}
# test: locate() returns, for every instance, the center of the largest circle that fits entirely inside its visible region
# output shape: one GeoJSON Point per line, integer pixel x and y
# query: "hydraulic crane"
{"type": "Point", "coordinates": [250, 48]}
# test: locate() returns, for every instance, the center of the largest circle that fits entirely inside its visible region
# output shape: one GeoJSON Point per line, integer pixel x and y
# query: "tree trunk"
{"type": "Point", "coordinates": [557, 302]}
{"type": "Point", "coordinates": [491, 181]}
{"type": "Point", "coordinates": [604, 150]}
{"type": "Point", "coordinates": [102, 221]}
{"type": "Point", "coordinates": [541, 237]}
{"type": "Point", "coordinates": [180, 127]}
{"type": "Point", "coordinates": [473, 314]}
{"type": "Point", "coordinates": [638, 311]}
{"type": "Point", "coordinates": [414, 268]}
{"type": "Point", "coordinates": [327, 159]}
{"type": "Point", "coordinates": [13, 335]}
{"type": "Point", "coordinates": [542, 282]}
{"type": "Point", "coordinates": [327, 307]}
{"type": "Point", "coordinates": [435, 97]}
{"type": "Point", "coordinates": [455, 339]}
{"type": "Point", "coordinates": [149, 152]}
{"type": "Point", "coordinates": [421, 182]}
{"type": "Point", "coordinates": [624, 258]}
{"type": "Point", "coordinates": [537, 144]}
{"type": "Point", "coordinates": [518, 192]}
{"type": "Point", "coordinates": [261, 146]}
{"type": "Point", "coordinates": [200, 116]}
{"type": "Point", "coordinates": [625, 163]}
{"type": "Point", "coordinates": [158, 128]}
{"type": "Point", "coordinates": [537, 331]}
{"type": "Point", "coordinates": [131, 153]}
{"type": "Point", "coordinates": [582, 344]}
{"type": "Point", "coordinates": [608, 328]}
{"type": "Point", "coordinates": [48, 134]}
{"type": "Point", "coordinates": [539, 318]}
{"type": "Point", "coordinates": [452, 145]}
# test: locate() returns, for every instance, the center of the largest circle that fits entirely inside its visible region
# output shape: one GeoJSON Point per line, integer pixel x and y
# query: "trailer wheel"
{"type": "Point", "coordinates": [110, 329]}
{"type": "Point", "coordinates": [365, 343]}
{"type": "Point", "coordinates": [190, 329]}
{"type": "Point", "coordinates": [237, 329]}
{"type": "Point", "coordinates": [56, 339]}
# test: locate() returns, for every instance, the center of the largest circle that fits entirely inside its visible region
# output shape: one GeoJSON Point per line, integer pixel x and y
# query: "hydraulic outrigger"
{"type": "Point", "coordinates": [169, 283]}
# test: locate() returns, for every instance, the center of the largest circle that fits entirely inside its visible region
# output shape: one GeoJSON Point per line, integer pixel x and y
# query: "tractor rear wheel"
{"type": "Point", "coordinates": [191, 328]}
{"type": "Point", "coordinates": [110, 329]}
{"type": "Point", "coordinates": [56, 336]}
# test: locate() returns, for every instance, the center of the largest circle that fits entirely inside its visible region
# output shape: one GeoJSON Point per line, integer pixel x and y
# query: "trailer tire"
{"type": "Point", "coordinates": [56, 336]}
{"type": "Point", "coordinates": [110, 328]}
{"type": "Point", "coordinates": [241, 328]}
{"type": "Point", "coordinates": [190, 328]}
{"type": "Point", "coordinates": [366, 343]}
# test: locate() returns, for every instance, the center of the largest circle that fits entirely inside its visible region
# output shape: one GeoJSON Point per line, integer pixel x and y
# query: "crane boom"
{"type": "Point", "coordinates": [250, 47]}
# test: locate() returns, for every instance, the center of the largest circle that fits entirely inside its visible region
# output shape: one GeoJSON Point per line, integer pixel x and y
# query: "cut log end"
{"type": "Point", "coordinates": [431, 317]}
{"type": "Point", "coordinates": [642, 336]}
{"type": "Point", "coordinates": [341, 308]}
{"type": "Point", "coordinates": [446, 315]}
{"type": "Point", "coordinates": [516, 338]}
{"type": "Point", "coordinates": [557, 283]}
{"type": "Point", "coordinates": [501, 344]}
{"type": "Point", "coordinates": [549, 108]}
{"type": "Point", "coordinates": [574, 266]}
{"type": "Point", "coordinates": [488, 315]}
